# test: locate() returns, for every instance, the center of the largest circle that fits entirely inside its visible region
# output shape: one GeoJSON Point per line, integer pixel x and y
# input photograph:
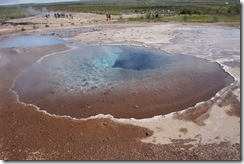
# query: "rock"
{"type": "Point", "coordinates": [106, 93]}
{"type": "Point", "coordinates": [94, 87]}
{"type": "Point", "coordinates": [136, 106]}
{"type": "Point", "coordinates": [35, 27]}
{"type": "Point", "coordinates": [147, 133]}
{"type": "Point", "coordinates": [23, 29]}
{"type": "Point", "coordinates": [47, 25]}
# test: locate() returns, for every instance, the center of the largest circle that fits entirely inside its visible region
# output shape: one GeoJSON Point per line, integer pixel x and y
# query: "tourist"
{"type": "Point", "coordinates": [71, 16]}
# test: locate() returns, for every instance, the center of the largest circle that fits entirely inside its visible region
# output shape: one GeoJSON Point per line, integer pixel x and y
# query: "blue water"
{"type": "Point", "coordinates": [90, 67]}
{"type": "Point", "coordinates": [139, 59]}
{"type": "Point", "coordinates": [60, 82]}
{"type": "Point", "coordinates": [30, 41]}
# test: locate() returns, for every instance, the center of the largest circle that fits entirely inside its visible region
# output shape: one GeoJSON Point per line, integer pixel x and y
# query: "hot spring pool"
{"type": "Point", "coordinates": [95, 67]}
{"type": "Point", "coordinates": [116, 80]}
{"type": "Point", "coordinates": [30, 41]}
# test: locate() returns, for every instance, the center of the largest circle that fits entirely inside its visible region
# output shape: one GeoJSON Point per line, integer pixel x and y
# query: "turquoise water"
{"type": "Point", "coordinates": [60, 83]}
{"type": "Point", "coordinates": [30, 41]}
{"type": "Point", "coordinates": [89, 67]}
{"type": "Point", "coordinates": [92, 68]}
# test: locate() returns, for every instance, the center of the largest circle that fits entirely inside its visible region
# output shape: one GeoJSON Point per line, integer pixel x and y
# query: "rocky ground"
{"type": "Point", "coordinates": [208, 131]}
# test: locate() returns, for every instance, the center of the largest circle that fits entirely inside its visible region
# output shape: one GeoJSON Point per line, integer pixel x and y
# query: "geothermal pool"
{"type": "Point", "coordinates": [30, 41]}
{"type": "Point", "coordinates": [124, 81]}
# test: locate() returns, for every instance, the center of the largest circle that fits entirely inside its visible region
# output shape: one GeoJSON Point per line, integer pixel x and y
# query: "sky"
{"type": "Point", "coordinates": [11, 2]}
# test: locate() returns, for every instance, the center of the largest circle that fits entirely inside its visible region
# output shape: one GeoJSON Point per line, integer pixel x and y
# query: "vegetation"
{"type": "Point", "coordinates": [11, 13]}
{"type": "Point", "coordinates": [186, 18]}
{"type": "Point", "coordinates": [149, 10]}
{"type": "Point", "coordinates": [201, 13]}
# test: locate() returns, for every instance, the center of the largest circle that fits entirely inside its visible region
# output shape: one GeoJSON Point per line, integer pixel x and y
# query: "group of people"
{"type": "Point", "coordinates": [63, 15]}
{"type": "Point", "coordinates": [108, 16]}
{"type": "Point", "coordinates": [66, 15]}
{"type": "Point", "coordinates": [47, 15]}
{"type": "Point", "coordinates": [60, 15]}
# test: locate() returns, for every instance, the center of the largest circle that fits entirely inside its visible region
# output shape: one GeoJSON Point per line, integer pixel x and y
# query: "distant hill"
{"type": "Point", "coordinates": [165, 1]}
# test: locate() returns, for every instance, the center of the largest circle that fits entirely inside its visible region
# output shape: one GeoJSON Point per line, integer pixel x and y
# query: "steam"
{"type": "Point", "coordinates": [31, 11]}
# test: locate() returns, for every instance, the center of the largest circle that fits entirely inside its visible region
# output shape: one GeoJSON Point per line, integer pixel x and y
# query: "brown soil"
{"type": "Point", "coordinates": [235, 105]}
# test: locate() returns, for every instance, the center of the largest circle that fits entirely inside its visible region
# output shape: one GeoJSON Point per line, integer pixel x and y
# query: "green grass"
{"type": "Point", "coordinates": [11, 13]}
{"type": "Point", "coordinates": [186, 18]}
{"type": "Point", "coordinates": [229, 19]}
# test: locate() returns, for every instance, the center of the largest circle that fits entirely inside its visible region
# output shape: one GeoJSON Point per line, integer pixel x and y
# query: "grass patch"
{"type": "Point", "coordinates": [187, 18]}
{"type": "Point", "coordinates": [10, 13]}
